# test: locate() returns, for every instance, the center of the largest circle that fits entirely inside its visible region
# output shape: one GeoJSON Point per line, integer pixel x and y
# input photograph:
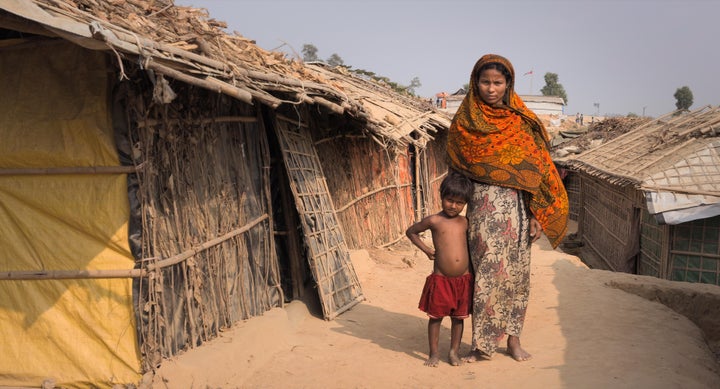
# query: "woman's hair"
{"type": "Point", "coordinates": [499, 67]}
{"type": "Point", "coordinates": [456, 185]}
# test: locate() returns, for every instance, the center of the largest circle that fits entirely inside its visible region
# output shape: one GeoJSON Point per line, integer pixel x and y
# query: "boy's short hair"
{"type": "Point", "coordinates": [456, 185]}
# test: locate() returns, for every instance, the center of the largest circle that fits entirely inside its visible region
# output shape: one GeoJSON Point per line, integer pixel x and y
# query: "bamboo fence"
{"type": "Point", "coordinates": [203, 190]}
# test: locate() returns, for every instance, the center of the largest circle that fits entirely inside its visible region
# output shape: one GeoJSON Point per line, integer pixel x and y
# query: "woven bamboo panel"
{"type": "Point", "coordinates": [329, 257]}
{"type": "Point", "coordinates": [370, 194]}
{"type": "Point", "coordinates": [652, 247]}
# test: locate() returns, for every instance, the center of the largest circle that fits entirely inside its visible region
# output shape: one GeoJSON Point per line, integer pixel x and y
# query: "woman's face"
{"type": "Point", "coordinates": [492, 85]}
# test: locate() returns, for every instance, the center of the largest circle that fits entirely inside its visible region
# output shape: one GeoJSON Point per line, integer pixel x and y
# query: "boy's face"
{"type": "Point", "coordinates": [452, 206]}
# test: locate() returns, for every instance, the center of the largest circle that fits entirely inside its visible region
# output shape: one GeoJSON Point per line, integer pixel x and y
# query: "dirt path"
{"type": "Point", "coordinates": [582, 333]}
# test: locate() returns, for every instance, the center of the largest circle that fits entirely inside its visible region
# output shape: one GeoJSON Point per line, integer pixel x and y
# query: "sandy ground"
{"type": "Point", "coordinates": [583, 327]}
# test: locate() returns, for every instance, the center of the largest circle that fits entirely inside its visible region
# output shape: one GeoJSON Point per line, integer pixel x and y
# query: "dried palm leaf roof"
{"type": "Point", "coordinates": [396, 116]}
{"type": "Point", "coordinates": [596, 134]}
{"type": "Point", "coordinates": [186, 44]}
{"type": "Point", "coordinates": [678, 152]}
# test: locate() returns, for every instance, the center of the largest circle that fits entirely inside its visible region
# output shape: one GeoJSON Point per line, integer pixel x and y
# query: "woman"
{"type": "Point", "coordinates": [500, 144]}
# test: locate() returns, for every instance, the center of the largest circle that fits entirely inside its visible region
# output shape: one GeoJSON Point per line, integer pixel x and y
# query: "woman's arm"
{"type": "Point", "coordinates": [535, 230]}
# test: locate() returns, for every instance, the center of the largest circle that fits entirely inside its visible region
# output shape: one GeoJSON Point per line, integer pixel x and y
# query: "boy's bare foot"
{"type": "Point", "coordinates": [515, 350]}
{"type": "Point", "coordinates": [433, 360]}
{"type": "Point", "coordinates": [454, 358]}
{"type": "Point", "coordinates": [475, 356]}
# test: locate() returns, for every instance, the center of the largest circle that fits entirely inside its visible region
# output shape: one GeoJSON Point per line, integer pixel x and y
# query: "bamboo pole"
{"type": "Point", "coordinates": [70, 274]}
{"type": "Point", "coordinates": [143, 123]}
{"type": "Point", "coordinates": [69, 170]}
{"type": "Point", "coordinates": [208, 83]}
{"type": "Point", "coordinates": [291, 82]}
{"type": "Point", "coordinates": [368, 194]}
{"type": "Point", "coordinates": [329, 105]}
{"type": "Point", "coordinates": [392, 242]}
{"type": "Point", "coordinates": [679, 189]}
{"type": "Point", "coordinates": [291, 121]}
{"type": "Point", "coordinates": [418, 186]}
{"type": "Point", "coordinates": [194, 251]}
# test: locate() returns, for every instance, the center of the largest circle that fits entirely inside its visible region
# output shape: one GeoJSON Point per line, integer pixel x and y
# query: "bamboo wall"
{"type": "Point", "coordinates": [436, 168]}
{"type": "Point", "coordinates": [610, 222]}
{"type": "Point", "coordinates": [572, 186]}
{"type": "Point", "coordinates": [653, 247]}
{"type": "Point", "coordinates": [203, 192]}
{"type": "Point", "coordinates": [371, 188]}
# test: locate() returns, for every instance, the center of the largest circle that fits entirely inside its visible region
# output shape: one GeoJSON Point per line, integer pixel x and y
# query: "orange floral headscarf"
{"type": "Point", "coordinates": [508, 146]}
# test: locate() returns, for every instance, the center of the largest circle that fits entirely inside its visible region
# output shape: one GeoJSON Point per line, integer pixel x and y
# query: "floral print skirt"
{"type": "Point", "coordinates": [499, 243]}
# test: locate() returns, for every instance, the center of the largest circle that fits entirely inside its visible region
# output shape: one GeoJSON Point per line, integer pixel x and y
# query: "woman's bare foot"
{"type": "Point", "coordinates": [454, 358]}
{"type": "Point", "coordinates": [515, 350]}
{"type": "Point", "coordinates": [475, 356]}
{"type": "Point", "coordinates": [432, 360]}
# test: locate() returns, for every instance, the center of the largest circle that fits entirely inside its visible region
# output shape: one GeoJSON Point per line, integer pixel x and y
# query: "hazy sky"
{"type": "Point", "coordinates": [627, 56]}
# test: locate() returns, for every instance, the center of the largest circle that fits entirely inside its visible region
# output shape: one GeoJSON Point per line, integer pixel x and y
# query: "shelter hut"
{"type": "Point", "coordinates": [649, 199]}
{"type": "Point", "coordinates": [159, 181]}
{"type": "Point", "coordinates": [544, 105]}
{"type": "Point", "coordinates": [577, 142]}
{"type": "Point", "coordinates": [387, 176]}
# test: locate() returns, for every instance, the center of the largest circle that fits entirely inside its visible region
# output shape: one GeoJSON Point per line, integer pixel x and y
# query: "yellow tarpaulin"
{"type": "Point", "coordinates": [79, 332]}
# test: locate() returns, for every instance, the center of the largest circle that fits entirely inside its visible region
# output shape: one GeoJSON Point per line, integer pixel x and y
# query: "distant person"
{"type": "Point", "coordinates": [581, 119]}
{"type": "Point", "coordinates": [448, 290]}
{"type": "Point", "coordinates": [577, 118]}
{"type": "Point", "coordinates": [503, 147]}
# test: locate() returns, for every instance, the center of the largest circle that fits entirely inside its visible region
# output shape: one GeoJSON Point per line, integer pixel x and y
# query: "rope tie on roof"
{"type": "Point", "coordinates": [98, 32]}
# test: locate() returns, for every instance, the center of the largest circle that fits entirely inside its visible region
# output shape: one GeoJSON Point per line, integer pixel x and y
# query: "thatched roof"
{"type": "Point", "coordinates": [184, 43]}
{"type": "Point", "coordinates": [676, 154]}
{"type": "Point", "coordinates": [398, 115]}
{"type": "Point", "coordinates": [576, 139]}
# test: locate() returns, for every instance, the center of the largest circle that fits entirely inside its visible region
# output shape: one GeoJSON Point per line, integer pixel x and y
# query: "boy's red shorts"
{"type": "Point", "coordinates": [447, 296]}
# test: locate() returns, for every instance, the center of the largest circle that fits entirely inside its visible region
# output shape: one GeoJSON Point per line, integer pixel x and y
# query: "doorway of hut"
{"type": "Point", "coordinates": [296, 277]}
{"type": "Point", "coordinates": [317, 241]}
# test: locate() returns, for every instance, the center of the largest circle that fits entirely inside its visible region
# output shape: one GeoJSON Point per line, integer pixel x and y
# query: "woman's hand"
{"type": "Point", "coordinates": [535, 230]}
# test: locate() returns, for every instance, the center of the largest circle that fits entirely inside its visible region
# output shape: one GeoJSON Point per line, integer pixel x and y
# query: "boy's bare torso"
{"type": "Point", "coordinates": [450, 240]}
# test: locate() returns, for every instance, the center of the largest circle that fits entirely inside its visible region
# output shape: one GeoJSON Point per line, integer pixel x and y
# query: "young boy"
{"type": "Point", "coordinates": [448, 290]}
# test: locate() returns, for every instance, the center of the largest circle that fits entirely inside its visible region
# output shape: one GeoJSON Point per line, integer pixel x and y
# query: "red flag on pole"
{"type": "Point", "coordinates": [530, 72]}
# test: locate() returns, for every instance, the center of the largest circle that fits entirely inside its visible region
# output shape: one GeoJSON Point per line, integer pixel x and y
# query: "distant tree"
{"type": "Point", "coordinates": [365, 72]}
{"type": "Point", "coordinates": [309, 52]}
{"type": "Point", "coordinates": [632, 115]}
{"type": "Point", "coordinates": [414, 84]}
{"type": "Point", "coordinates": [684, 98]}
{"type": "Point", "coordinates": [553, 87]}
{"type": "Point", "coordinates": [335, 60]}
